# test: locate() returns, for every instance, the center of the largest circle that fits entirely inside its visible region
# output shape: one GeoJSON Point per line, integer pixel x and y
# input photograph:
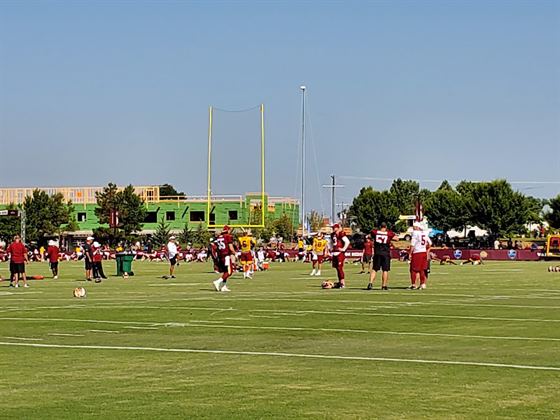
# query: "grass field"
{"type": "Point", "coordinates": [480, 342]}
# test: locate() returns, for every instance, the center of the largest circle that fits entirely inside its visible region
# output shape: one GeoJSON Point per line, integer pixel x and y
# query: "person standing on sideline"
{"type": "Point", "coordinates": [53, 253]}
{"type": "Point", "coordinates": [97, 267]}
{"type": "Point", "coordinates": [318, 253]}
{"type": "Point", "coordinates": [226, 259]}
{"type": "Point", "coordinates": [340, 244]}
{"type": "Point", "coordinates": [419, 246]}
{"type": "Point", "coordinates": [367, 255]}
{"type": "Point", "coordinates": [171, 251]}
{"type": "Point", "coordinates": [88, 257]}
{"type": "Point", "coordinates": [18, 258]}
{"type": "Point", "coordinates": [381, 255]}
{"type": "Point", "coordinates": [246, 257]}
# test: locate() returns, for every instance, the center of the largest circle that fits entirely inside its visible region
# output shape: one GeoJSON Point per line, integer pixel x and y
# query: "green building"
{"type": "Point", "coordinates": [176, 211]}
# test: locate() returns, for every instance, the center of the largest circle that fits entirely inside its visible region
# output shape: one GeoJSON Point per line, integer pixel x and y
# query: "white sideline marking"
{"type": "Point", "coordinates": [294, 355]}
{"type": "Point", "coordinates": [104, 331]}
{"type": "Point", "coordinates": [25, 338]}
{"type": "Point", "coordinates": [66, 335]}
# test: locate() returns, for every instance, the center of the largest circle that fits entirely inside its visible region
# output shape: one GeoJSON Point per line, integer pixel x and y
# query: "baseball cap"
{"type": "Point", "coordinates": [171, 237]}
{"type": "Point", "coordinates": [336, 225]}
{"type": "Point", "coordinates": [89, 238]}
{"type": "Point", "coordinates": [226, 228]}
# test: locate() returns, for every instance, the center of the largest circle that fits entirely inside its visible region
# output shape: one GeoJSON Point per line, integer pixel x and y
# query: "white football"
{"type": "Point", "coordinates": [79, 292]}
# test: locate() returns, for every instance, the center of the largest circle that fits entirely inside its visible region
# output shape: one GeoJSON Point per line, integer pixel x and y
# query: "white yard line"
{"type": "Point", "coordinates": [220, 324]}
{"type": "Point", "coordinates": [286, 355]}
{"type": "Point", "coordinates": [65, 335]}
{"type": "Point", "coordinates": [105, 331]}
{"type": "Point", "coordinates": [141, 328]}
{"type": "Point", "coordinates": [24, 338]}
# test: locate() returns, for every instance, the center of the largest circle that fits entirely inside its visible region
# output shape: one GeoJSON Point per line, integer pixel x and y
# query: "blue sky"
{"type": "Point", "coordinates": [99, 91]}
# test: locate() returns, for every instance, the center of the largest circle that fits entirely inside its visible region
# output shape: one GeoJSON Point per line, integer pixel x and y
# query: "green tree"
{"type": "Point", "coordinates": [495, 206]}
{"type": "Point", "coordinates": [553, 217]}
{"type": "Point", "coordinates": [162, 233]}
{"type": "Point", "coordinates": [201, 236]}
{"type": "Point", "coordinates": [404, 195]}
{"type": "Point", "coordinates": [47, 216]}
{"type": "Point", "coordinates": [315, 220]}
{"type": "Point", "coordinates": [283, 226]}
{"type": "Point", "coordinates": [186, 235]}
{"type": "Point", "coordinates": [168, 190]}
{"type": "Point", "coordinates": [9, 225]}
{"type": "Point", "coordinates": [130, 208]}
{"type": "Point", "coordinates": [370, 208]}
{"type": "Point", "coordinates": [445, 208]}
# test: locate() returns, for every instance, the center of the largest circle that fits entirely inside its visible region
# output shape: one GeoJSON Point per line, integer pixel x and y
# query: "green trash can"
{"type": "Point", "coordinates": [127, 264]}
{"type": "Point", "coordinates": [119, 260]}
{"type": "Point", "coordinates": [124, 263]}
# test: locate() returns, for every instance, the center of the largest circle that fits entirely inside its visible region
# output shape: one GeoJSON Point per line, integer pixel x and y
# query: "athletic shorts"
{"type": "Point", "coordinates": [173, 260]}
{"type": "Point", "coordinates": [318, 258]}
{"type": "Point", "coordinates": [246, 257]}
{"type": "Point", "coordinates": [381, 262]}
{"type": "Point", "coordinates": [89, 265]}
{"type": "Point", "coordinates": [224, 265]}
{"type": "Point", "coordinates": [54, 265]}
{"type": "Point", "coordinates": [17, 268]}
{"type": "Point", "coordinates": [366, 258]}
{"type": "Point", "coordinates": [338, 260]}
{"type": "Point", "coordinates": [419, 262]}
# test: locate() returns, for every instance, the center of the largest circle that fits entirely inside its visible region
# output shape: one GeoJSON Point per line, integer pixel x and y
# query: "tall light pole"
{"type": "Point", "coordinates": [302, 204]}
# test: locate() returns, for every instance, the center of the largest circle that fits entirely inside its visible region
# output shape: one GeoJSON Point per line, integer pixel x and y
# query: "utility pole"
{"type": "Point", "coordinates": [332, 186]}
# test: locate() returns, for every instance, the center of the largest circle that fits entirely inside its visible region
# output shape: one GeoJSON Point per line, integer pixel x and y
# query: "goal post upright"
{"type": "Point", "coordinates": [209, 189]}
{"type": "Point", "coordinates": [209, 176]}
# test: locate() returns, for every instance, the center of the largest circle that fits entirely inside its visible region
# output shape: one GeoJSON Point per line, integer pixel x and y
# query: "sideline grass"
{"type": "Point", "coordinates": [115, 359]}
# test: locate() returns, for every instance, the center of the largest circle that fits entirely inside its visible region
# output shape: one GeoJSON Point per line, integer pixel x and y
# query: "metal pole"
{"type": "Point", "coordinates": [332, 199]}
{"type": "Point", "coordinates": [23, 224]}
{"type": "Point", "coordinates": [302, 158]}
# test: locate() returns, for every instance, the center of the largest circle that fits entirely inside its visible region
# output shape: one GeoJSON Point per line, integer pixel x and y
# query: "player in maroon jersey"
{"type": "Point", "coordinates": [340, 244]}
{"type": "Point", "coordinates": [381, 254]}
{"type": "Point", "coordinates": [226, 258]}
{"type": "Point", "coordinates": [367, 255]}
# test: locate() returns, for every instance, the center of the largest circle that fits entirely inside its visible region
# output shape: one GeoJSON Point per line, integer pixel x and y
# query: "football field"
{"type": "Point", "coordinates": [480, 342]}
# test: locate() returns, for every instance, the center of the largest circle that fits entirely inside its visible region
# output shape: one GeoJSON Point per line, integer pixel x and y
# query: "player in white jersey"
{"type": "Point", "coordinates": [419, 247]}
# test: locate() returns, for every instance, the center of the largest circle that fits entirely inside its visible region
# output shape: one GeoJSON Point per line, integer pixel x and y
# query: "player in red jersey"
{"type": "Point", "coordinates": [381, 254]}
{"type": "Point", "coordinates": [226, 258]}
{"type": "Point", "coordinates": [18, 259]}
{"type": "Point", "coordinates": [367, 255]}
{"type": "Point", "coordinates": [53, 253]}
{"type": "Point", "coordinates": [340, 244]}
{"type": "Point", "coordinates": [419, 247]}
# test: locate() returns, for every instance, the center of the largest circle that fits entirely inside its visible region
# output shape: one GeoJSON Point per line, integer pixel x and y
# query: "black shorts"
{"type": "Point", "coordinates": [224, 265]}
{"type": "Point", "coordinates": [17, 268]}
{"type": "Point", "coordinates": [173, 260]}
{"type": "Point", "coordinates": [381, 262]}
{"type": "Point", "coordinates": [366, 258]}
{"type": "Point", "coordinates": [89, 265]}
{"type": "Point", "coordinates": [54, 265]}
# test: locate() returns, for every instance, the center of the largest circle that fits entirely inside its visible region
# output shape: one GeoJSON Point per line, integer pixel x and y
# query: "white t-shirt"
{"type": "Point", "coordinates": [420, 241]}
{"type": "Point", "coordinates": [171, 249]}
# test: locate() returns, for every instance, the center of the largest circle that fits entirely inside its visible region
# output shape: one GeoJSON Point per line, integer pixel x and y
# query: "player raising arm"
{"type": "Point", "coordinates": [226, 258]}
{"type": "Point", "coordinates": [419, 246]}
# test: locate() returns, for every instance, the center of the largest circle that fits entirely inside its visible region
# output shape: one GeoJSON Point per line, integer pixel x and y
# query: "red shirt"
{"type": "Point", "coordinates": [368, 248]}
{"type": "Point", "coordinates": [337, 241]}
{"type": "Point", "coordinates": [223, 242]}
{"type": "Point", "coordinates": [18, 252]}
{"type": "Point", "coordinates": [97, 255]}
{"type": "Point", "coordinates": [52, 252]}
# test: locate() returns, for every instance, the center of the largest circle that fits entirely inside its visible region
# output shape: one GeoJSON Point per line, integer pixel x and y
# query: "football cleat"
{"type": "Point", "coordinates": [225, 289]}
{"type": "Point", "coordinates": [217, 284]}
{"type": "Point", "coordinates": [370, 286]}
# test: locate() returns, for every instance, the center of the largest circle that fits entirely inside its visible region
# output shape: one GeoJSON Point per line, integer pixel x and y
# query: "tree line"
{"type": "Point", "coordinates": [492, 205]}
